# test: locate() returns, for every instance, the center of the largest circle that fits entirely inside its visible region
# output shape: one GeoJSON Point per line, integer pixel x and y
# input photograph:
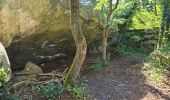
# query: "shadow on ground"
{"type": "Point", "coordinates": [122, 80]}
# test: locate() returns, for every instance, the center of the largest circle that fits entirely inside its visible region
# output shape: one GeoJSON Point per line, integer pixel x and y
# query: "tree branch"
{"type": "Point", "coordinates": [116, 5]}
{"type": "Point", "coordinates": [111, 9]}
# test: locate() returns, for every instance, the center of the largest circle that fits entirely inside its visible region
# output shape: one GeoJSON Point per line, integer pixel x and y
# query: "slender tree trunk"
{"type": "Point", "coordinates": [106, 29]}
{"type": "Point", "coordinates": [155, 8]}
{"type": "Point", "coordinates": [104, 42]}
{"type": "Point", "coordinates": [165, 24]}
{"type": "Point", "coordinates": [80, 42]}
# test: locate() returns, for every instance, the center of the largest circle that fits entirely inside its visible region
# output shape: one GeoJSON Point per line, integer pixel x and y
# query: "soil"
{"type": "Point", "coordinates": [123, 79]}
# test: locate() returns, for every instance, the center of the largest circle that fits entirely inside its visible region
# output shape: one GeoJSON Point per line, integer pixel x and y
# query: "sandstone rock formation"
{"type": "Point", "coordinates": [31, 68]}
{"type": "Point", "coordinates": [34, 28]}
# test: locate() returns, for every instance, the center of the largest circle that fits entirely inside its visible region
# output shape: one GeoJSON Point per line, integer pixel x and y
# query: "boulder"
{"type": "Point", "coordinates": [31, 68]}
{"type": "Point", "coordinates": [29, 73]}
{"type": "Point", "coordinates": [33, 28]}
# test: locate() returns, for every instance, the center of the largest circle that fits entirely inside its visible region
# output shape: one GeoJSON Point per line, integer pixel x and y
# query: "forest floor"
{"type": "Point", "coordinates": [123, 79]}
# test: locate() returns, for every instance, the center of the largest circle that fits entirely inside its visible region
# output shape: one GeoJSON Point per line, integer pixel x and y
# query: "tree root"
{"type": "Point", "coordinates": [39, 75]}
{"type": "Point", "coordinates": [20, 84]}
{"type": "Point", "coordinates": [64, 74]}
{"type": "Point", "coordinates": [34, 81]}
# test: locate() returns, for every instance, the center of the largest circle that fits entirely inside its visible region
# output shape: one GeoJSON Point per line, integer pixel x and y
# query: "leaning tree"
{"type": "Point", "coordinates": [80, 42]}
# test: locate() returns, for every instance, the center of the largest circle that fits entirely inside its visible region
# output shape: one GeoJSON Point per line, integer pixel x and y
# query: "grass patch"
{"type": "Point", "coordinates": [156, 70]}
{"type": "Point", "coordinates": [100, 65]}
{"type": "Point", "coordinates": [159, 63]}
{"type": "Point", "coordinates": [79, 91]}
{"type": "Point", "coordinates": [155, 74]}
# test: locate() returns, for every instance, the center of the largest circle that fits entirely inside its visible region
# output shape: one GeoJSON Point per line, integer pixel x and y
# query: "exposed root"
{"type": "Point", "coordinates": [64, 74]}
{"type": "Point", "coordinates": [39, 75]}
{"type": "Point", "coordinates": [20, 84]}
{"type": "Point", "coordinates": [38, 79]}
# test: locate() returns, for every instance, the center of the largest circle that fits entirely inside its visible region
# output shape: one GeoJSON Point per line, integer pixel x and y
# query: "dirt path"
{"type": "Point", "coordinates": [123, 80]}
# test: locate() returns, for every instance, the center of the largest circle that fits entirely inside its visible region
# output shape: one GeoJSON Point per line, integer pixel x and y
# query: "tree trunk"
{"type": "Point", "coordinates": [106, 29]}
{"type": "Point", "coordinates": [165, 24]}
{"type": "Point", "coordinates": [104, 43]}
{"type": "Point", "coordinates": [80, 42]}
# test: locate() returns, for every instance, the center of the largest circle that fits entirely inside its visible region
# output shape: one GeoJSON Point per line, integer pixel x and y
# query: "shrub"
{"type": "Point", "coordinates": [160, 62]}
{"type": "Point", "coordinates": [3, 75]}
{"type": "Point", "coordinates": [51, 89]}
{"type": "Point", "coordinates": [124, 50]}
{"type": "Point", "coordinates": [78, 92]}
{"type": "Point", "coordinates": [9, 96]}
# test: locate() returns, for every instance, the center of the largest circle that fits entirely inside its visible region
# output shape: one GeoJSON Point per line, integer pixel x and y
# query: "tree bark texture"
{"type": "Point", "coordinates": [106, 29]}
{"type": "Point", "coordinates": [80, 42]}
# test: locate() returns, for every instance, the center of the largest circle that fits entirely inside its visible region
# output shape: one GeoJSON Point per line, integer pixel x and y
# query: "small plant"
{"type": "Point", "coordinates": [100, 65]}
{"type": "Point", "coordinates": [78, 92]}
{"type": "Point", "coordinates": [166, 47]}
{"type": "Point", "coordinates": [160, 62]}
{"type": "Point", "coordinates": [121, 49]}
{"type": "Point", "coordinates": [3, 75]}
{"type": "Point", "coordinates": [5, 93]}
{"type": "Point", "coordinates": [156, 70]}
{"type": "Point", "coordinates": [4, 78]}
{"type": "Point", "coordinates": [51, 89]}
{"type": "Point", "coordinates": [9, 96]}
{"type": "Point", "coordinates": [155, 74]}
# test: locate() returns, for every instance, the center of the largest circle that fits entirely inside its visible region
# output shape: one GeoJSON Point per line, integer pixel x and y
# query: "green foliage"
{"type": "Point", "coordinates": [155, 72]}
{"type": "Point", "coordinates": [159, 64]}
{"type": "Point", "coordinates": [146, 20]}
{"type": "Point", "coordinates": [166, 48]}
{"type": "Point", "coordinates": [132, 38]}
{"type": "Point", "coordinates": [51, 89]}
{"type": "Point", "coordinates": [136, 38]}
{"type": "Point", "coordinates": [6, 95]}
{"type": "Point", "coordinates": [124, 50]}
{"type": "Point", "coordinates": [123, 13]}
{"type": "Point", "coordinates": [100, 64]}
{"type": "Point", "coordinates": [100, 4]}
{"type": "Point", "coordinates": [9, 96]}
{"type": "Point", "coordinates": [78, 92]}
{"type": "Point", "coordinates": [147, 16]}
{"type": "Point", "coordinates": [165, 23]}
{"type": "Point", "coordinates": [3, 74]}
{"type": "Point", "coordinates": [164, 51]}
